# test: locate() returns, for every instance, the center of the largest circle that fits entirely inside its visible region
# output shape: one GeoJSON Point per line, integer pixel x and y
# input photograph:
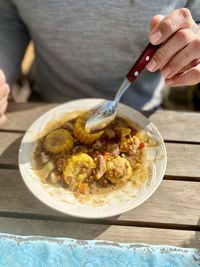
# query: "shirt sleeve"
{"type": "Point", "coordinates": [14, 38]}
{"type": "Point", "coordinates": [194, 7]}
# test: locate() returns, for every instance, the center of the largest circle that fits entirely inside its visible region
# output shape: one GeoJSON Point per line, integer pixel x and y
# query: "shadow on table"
{"type": "Point", "coordinates": [10, 154]}
{"type": "Point", "coordinates": [76, 229]}
{"type": "Point", "coordinates": [195, 241]}
{"type": "Point", "coordinates": [147, 113]}
{"type": "Point", "coordinates": [13, 107]}
{"type": "Point", "coordinates": [31, 217]}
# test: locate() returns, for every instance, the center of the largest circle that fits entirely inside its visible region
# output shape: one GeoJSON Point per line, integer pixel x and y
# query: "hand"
{"type": "Point", "coordinates": [4, 91]}
{"type": "Point", "coordinates": [178, 58]}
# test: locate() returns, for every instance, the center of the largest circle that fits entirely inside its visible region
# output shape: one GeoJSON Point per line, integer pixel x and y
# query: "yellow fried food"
{"type": "Point", "coordinates": [124, 133]}
{"type": "Point", "coordinates": [118, 170]}
{"type": "Point", "coordinates": [78, 168]}
{"type": "Point", "coordinates": [128, 143]}
{"type": "Point", "coordinates": [58, 141]}
{"type": "Point", "coordinates": [81, 134]}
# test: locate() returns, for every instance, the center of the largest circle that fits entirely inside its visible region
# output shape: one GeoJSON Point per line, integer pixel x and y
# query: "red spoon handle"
{"type": "Point", "coordinates": [142, 61]}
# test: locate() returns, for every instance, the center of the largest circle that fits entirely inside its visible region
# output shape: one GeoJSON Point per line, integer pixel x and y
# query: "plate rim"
{"type": "Point", "coordinates": [59, 106]}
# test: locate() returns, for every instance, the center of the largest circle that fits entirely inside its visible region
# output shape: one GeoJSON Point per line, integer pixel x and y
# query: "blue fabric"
{"type": "Point", "coordinates": [44, 251]}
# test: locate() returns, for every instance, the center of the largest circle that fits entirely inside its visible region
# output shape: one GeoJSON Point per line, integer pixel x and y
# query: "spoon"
{"type": "Point", "coordinates": [104, 113]}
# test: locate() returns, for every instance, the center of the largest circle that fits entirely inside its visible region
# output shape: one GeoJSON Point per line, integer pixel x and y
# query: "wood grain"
{"type": "Point", "coordinates": [174, 126]}
{"type": "Point", "coordinates": [9, 147]}
{"type": "Point", "coordinates": [21, 116]}
{"type": "Point", "coordinates": [183, 159]}
{"type": "Point", "coordinates": [174, 202]}
{"type": "Point", "coordinates": [178, 126]}
{"type": "Point", "coordinates": [101, 232]}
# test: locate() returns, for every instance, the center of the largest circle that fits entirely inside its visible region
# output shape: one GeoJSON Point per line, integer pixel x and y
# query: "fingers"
{"type": "Point", "coordinates": [169, 49]}
{"type": "Point", "coordinates": [3, 119]}
{"type": "Point", "coordinates": [178, 19]}
{"type": "Point", "coordinates": [192, 64]}
{"type": "Point", "coordinates": [189, 77]}
{"type": "Point", "coordinates": [155, 21]}
{"type": "Point", "coordinates": [182, 59]}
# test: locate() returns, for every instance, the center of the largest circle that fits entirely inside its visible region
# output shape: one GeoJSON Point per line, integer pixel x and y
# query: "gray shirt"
{"type": "Point", "coordinates": [83, 48]}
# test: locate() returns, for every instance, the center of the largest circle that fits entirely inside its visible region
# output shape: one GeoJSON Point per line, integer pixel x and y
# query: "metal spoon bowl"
{"type": "Point", "coordinates": [104, 113]}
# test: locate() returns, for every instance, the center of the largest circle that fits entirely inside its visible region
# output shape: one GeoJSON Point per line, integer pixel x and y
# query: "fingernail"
{"type": "Point", "coordinates": [155, 37]}
{"type": "Point", "coordinates": [151, 66]}
{"type": "Point", "coordinates": [166, 72]}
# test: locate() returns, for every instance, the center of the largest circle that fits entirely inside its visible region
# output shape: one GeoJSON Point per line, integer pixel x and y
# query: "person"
{"type": "Point", "coordinates": [85, 48]}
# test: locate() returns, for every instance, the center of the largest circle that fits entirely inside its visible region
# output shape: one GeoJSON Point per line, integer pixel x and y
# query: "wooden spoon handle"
{"type": "Point", "coordinates": [142, 61]}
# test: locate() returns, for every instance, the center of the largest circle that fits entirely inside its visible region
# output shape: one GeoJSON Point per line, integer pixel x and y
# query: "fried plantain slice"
{"type": "Point", "coordinates": [58, 141]}
{"type": "Point", "coordinates": [81, 134]}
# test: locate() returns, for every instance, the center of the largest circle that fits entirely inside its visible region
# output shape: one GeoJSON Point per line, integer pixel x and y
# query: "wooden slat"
{"type": "Point", "coordinates": [9, 146]}
{"type": "Point", "coordinates": [183, 159]}
{"type": "Point", "coordinates": [174, 202]}
{"type": "Point", "coordinates": [178, 126]}
{"type": "Point", "coordinates": [101, 232]}
{"type": "Point", "coordinates": [175, 126]}
{"type": "Point", "coordinates": [21, 116]}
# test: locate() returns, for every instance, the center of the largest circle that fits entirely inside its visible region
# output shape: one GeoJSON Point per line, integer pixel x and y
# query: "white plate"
{"type": "Point", "coordinates": [63, 200]}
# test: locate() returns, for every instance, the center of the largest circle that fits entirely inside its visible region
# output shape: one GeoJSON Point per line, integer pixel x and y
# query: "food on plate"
{"type": "Point", "coordinates": [58, 141]}
{"type": "Point", "coordinates": [96, 162]}
{"type": "Point", "coordinates": [81, 134]}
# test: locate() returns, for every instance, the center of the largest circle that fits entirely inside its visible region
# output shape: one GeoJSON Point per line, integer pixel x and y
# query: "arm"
{"type": "Point", "coordinates": [178, 58]}
{"type": "Point", "coordinates": [14, 38]}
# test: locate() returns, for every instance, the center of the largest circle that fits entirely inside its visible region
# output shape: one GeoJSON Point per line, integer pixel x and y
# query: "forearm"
{"type": "Point", "coordinates": [14, 38]}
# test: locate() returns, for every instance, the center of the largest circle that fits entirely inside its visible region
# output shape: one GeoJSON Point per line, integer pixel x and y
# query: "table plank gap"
{"type": "Point", "coordinates": [108, 221]}
{"type": "Point", "coordinates": [174, 202]}
{"type": "Point", "coordinates": [171, 124]}
{"type": "Point", "coordinates": [183, 159]}
{"type": "Point", "coordinates": [181, 178]}
{"type": "Point", "coordinates": [177, 125]}
{"type": "Point", "coordinates": [181, 238]}
{"type": "Point", "coordinates": [12, 131]}
{"type": "Point", "coordinates": [181, 142]}
{"type": "Point", "coordinates": [166, 177]}
{"type": "Point", "coordinates": [6, 166]}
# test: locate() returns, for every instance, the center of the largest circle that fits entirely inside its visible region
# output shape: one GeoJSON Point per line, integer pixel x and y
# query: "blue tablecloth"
{"type": "Point", "coordinates": [44, 251]}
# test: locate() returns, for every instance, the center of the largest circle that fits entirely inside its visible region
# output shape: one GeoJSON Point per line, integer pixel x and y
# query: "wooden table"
{"type": "Point", "coordinates": [171, 216]}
